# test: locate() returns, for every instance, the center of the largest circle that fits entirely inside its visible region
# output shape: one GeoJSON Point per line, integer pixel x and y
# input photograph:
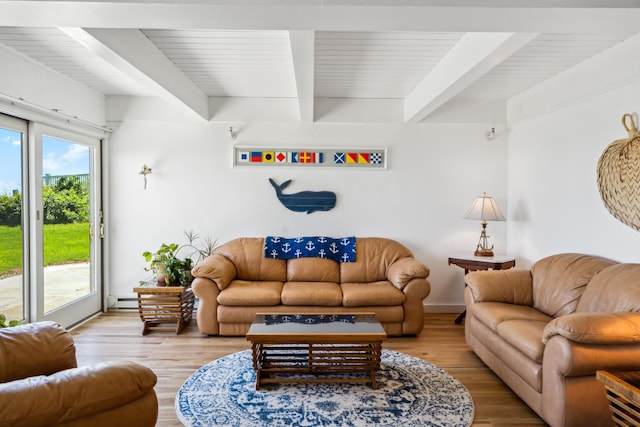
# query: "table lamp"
{"type": "Point", "coordinates": [485, 209]}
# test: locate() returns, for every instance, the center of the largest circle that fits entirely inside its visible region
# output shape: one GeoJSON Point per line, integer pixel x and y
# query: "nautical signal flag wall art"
{"type": "Point", "coordinates": [374, 158]}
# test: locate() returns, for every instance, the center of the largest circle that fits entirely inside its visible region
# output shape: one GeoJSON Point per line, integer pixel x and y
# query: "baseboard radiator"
{"type": "Point", "coordinates": [127, 304]}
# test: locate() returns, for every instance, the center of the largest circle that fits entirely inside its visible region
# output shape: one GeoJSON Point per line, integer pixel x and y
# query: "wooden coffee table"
{"type": "Point", "coordinates": [316, 347]}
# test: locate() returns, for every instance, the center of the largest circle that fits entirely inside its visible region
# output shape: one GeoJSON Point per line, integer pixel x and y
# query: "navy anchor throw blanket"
{"type": "Point", "coordinates": [341, 250]}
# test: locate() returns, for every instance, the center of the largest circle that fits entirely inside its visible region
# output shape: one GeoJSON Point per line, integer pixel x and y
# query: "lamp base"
{"type": "Point", "coordinates": [483, 248]}
{"type": "Point", "coordinates": [483, 252]}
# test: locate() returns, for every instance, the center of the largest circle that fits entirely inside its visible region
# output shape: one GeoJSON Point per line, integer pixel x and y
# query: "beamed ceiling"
{"type": "Point", "coordinates": [423, 53]}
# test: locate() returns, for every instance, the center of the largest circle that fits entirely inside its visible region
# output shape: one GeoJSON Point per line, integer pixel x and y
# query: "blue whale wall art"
{"type": "Point", "coordinates": [305, 201]}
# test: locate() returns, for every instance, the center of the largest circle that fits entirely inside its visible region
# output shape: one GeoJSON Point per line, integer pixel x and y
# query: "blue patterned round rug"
{"type": "Point", "coordinates": [410, 392]}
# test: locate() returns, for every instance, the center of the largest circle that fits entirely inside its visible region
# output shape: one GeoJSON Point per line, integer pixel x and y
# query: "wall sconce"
{"type": "Point", "coordinates": [485, 209]}
{"type": "Point", "coordinates": [146, 170]}
{"type": "Point", "coordinates": [232, 134]}
{"type": "Point", "coordinates": [490, 134]}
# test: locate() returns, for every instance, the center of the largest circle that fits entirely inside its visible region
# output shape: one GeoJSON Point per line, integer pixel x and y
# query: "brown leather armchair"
{"type": "Point", "coordinates": [41, 385]}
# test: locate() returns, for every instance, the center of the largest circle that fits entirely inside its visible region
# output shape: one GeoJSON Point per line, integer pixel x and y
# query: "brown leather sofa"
{"type": "Point", "coordinates": [41, 385]}
{"type": "Point", "coordinates": [545, 332]}
{"type": "Point", "coordinates": [237, 281]}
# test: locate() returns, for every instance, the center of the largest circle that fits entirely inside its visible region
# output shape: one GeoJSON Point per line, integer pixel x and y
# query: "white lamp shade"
{"type": "Point", "coordinates": [485, 209]}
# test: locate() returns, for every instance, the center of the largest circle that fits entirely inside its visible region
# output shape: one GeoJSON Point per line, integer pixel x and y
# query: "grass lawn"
{"type": "Point", "coordinates": [63, 243]}
{"type": "Point", "coordinates": [10, 249]}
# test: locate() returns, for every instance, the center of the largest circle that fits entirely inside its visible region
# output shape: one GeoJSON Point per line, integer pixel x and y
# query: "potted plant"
{"type": "Point", "coordinates": [179, 271]}
{"type": "Point", "coordinates": [159, 261]}
{"type": "Point", "coordinates": [174, 270]}
{"type": "Point", "coordinates": [198, 248]}
{"type": "Point", "coordinates": [5, 324]}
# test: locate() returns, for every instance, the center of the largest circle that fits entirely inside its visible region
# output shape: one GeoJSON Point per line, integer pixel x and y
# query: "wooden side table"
{"type": "Point", "coordinates": [473, 263]}
{"type": "Point", "coordinates": [160, 306]}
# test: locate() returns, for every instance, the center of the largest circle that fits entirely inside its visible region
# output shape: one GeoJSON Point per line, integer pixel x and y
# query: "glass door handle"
{"type": "Point", "coordinates": [101, 233]}
{"type": "Point", "coordinates": [91, 230]}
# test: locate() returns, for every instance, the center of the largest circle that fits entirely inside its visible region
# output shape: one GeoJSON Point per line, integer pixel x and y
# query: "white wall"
{"type": "Point", "coordinates": [558, 132]}
{"type": "Point", "coordinates": [434, 174]}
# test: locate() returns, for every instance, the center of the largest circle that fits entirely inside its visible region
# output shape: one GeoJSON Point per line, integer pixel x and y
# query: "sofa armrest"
{"type": "Point", "coordinates": [596, 328]}
{"type": "Point", "coordinates": [22, 355]}
{"type": "Point", "coordinates": [569, 383]}
{"type": "Point", "coordinates": [404, 270]}
{"type": "Point", "coordinates": [75, 393]}
{"type": "Point", "coordinates": [566, 358]}
{"type": "Point", "coordinates": [508, 286]}
{"type": "Point", "coordinates": [218, 268]}
{"type": "Point", "coordinates": [417, 289]}
{"type": "Point", "coordinates": [415, 292]}
{"type": "Point", "coordinates": [207, 314]}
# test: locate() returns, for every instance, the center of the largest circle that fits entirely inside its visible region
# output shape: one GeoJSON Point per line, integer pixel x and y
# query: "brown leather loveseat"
{"type": "Point", "coordinates": [545, 332]}
{"type": "Point", "coordinates": [238, 281]}
{"type": "Point", "coordinates": [41, 385]}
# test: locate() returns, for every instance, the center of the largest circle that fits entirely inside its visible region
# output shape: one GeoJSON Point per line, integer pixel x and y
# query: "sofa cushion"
{"type": "Point", "coordinates": [506, 361]}
{"type": "Point", "coordinates": [508, 286]}
{"type": "Point", "coordinates": [326, 294]}
{"type": "Point", "coordinates": [525, 335]}
{"type": "Point", "coordinates": [251, 293]}
{"type": "Point", "coordinates": [374, 255]}
{"type": "Point", "coordinates": [491, 314]}
{"type": "Point", "coordinates": [247, 254]}
{"type": "Point", "coordinates": [377, 293]}
{"type": "Point", "coordinates": [615, 288]}
{"type": "Point", "coordinates": [560, 280]}
{"type": "Point", "coordinates": [312, 270]}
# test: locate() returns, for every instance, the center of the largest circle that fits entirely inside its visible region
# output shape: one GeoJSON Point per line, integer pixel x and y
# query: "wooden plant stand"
{"type": "Point", "coordinates": [160, 306]}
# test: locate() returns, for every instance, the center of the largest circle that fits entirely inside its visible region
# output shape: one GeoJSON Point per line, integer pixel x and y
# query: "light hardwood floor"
{"type": "Point", "coordinates": [174, 358]}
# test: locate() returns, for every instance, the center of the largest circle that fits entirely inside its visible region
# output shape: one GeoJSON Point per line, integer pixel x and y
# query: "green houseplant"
{"type": "Point", "coordinates": [198, 248]}
{"type": "Point", "coordinates": [179, 271]}
{"type": "Point", "coordinates": [5, 324]}
{"type": "Point", "coordinates": [160, 260]}
{"type": "Point", "coordinates": [174, 270]}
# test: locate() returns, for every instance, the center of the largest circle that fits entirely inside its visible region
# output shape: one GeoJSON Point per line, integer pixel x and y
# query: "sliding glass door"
{"type": "Point", "coordinates": [67, 226]}
{"type": "Point", "coordinates": [13, 230]}
{"type": "Point", "coordinates": [50, 223]}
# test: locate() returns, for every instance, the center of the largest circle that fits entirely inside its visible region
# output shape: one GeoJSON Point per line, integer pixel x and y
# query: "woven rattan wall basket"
{"type": "Point", "coordinates": [619, 176]}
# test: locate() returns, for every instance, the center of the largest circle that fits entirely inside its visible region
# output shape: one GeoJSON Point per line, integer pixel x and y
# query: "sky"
{"type": "Point", "coordinates": [58, 158]}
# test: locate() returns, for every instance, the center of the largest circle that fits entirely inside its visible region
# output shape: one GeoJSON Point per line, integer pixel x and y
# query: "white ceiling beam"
{"type": "Point", "coordinates": [303, 52]}
{"type": "Point", "coordinates": [567, 16]}
{"type": "Point", "coordinates": [472, 57]}
{"type": "Point", "coordinates": [135, 55]}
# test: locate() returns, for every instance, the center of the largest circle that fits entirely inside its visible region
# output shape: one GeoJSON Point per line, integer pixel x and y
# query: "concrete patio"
{"type": "Point", "coordinates": [64, 283]}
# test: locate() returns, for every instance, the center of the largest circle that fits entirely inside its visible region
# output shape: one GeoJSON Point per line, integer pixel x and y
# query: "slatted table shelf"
{"type": "Point", "coordinates": [324, 363]}
{"type": "Point", "coordinates": [623, 392]}
{"type": "Point", "coordinates": [160, 306]}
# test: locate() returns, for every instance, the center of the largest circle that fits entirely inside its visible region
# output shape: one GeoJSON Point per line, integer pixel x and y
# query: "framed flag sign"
{"type": "Point", "coordinates": [365, 158]}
